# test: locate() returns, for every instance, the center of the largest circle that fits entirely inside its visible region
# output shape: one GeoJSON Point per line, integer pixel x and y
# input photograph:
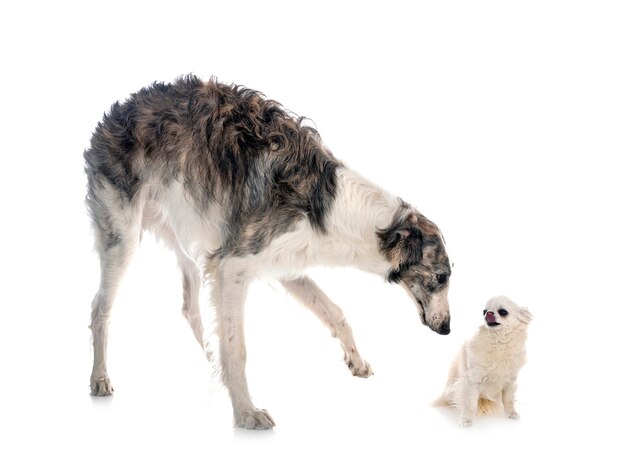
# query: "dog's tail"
{"type": "Point", "coordinates": [449, 394]}
{"type": "Point", "coordinates": [441, 401]}
{"type": "Point", "coordinates": [488, 408]}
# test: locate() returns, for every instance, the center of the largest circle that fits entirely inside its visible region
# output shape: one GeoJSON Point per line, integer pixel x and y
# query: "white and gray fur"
{"type": "Point", "coordinates": [240, 189]}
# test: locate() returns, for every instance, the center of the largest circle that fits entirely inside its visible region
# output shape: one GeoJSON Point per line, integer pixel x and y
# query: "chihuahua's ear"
{"type": "Point", "coordinates": [524, 315]}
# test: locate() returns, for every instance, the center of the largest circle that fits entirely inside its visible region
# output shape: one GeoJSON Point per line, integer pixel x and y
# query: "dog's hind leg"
{"type": "Point", "coordinates": [116, 244]}
{"type": "Point", "coordinates": [231, 278]}
{"type": "Point", "coordinates": [191, 277]}
{"type": "Point", "coordinates": [191, 306]}
{"type": "Point", "coordinates": [306, 291]}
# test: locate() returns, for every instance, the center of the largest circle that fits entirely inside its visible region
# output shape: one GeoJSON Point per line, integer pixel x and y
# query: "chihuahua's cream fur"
{"type": "Point", "coordinates": [482, 378]}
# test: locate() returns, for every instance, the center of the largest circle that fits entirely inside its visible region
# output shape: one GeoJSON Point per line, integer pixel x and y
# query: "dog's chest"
{"type": "Point", "coordinates": [496, 367]}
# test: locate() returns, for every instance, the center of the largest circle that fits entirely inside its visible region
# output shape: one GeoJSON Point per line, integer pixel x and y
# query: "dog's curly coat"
{"type": "Point", "coordinates": [240, 189]}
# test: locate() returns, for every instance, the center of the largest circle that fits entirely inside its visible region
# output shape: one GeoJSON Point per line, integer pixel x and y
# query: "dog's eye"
{"type": "Point", "coordinates": [503, 312]}
{"type": "Point", "coordinates": [484, 312]}
{"type": "Point", "coordinates": [442, 278]}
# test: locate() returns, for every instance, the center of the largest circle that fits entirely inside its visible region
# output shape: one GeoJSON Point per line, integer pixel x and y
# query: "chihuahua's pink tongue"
{"type": "Point", "coordinates": [491, 318]}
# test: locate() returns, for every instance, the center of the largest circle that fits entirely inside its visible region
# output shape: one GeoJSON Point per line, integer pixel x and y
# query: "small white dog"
{"type": "Point", "coordinates": [482, 378]}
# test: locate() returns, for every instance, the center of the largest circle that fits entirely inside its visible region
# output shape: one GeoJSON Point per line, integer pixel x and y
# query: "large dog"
{"type": "Point", "coordinates": [241, 189]}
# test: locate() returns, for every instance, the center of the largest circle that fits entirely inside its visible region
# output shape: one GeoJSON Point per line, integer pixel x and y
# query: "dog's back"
{"type": "Point", "coordinates": [227, 145]}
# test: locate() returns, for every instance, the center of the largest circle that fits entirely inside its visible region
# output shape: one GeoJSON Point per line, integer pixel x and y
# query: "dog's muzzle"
{"type": "Point", "coordinates": [444, 328]}
{"type": "Point", "coordinates": [490, 317]}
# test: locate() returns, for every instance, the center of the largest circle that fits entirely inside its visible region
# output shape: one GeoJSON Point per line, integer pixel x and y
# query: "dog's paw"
{"type": "Point", "coordinates": [357, 365]}
{"type": "Point", "coordinates": [101, 387]}
{"type": "Point", "coordinates": [259, 419]}
{"type": "Point", "coordinates": [514, 415]}
{"type": "Point", "coordinates": [363, 370]}
{"type": "Point", "coordinates": [465, 423]}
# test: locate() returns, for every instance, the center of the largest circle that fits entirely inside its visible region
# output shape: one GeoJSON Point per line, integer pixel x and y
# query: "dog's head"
{"type": "Point", "coordinates": [501, 313]}
{"type": "Point", "coordinates": [415, 249]}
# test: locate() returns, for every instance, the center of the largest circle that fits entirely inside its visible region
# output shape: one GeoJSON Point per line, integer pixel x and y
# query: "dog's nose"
{"type": "Point", "coordinates": [445, 328]}
{"type": "Point", "coordinates": [490, 317]}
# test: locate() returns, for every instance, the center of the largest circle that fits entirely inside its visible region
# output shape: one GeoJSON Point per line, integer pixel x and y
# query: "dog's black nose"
{"type": "Point", "coordinates": [445, 328]}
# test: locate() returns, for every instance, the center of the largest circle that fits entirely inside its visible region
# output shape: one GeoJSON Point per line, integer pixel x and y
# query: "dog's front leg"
{"type": "Point", "coordinates": [469, 403]}
{"type": "Point", "coordinates": [229, 294]}
{"type": "Point", "coordinates": [508, 400]}
{"type": "Point", "coordinates": [311, 296]}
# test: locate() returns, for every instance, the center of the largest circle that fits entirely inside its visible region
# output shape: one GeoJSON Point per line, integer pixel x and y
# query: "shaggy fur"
{"type": "Point", "coordinates": [240, 189]}
{"type": "Point", "coordinates": [482, 378]}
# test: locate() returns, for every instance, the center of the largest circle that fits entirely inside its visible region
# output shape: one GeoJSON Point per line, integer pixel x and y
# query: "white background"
{"type": "Point", "coordinates": [504, 122]}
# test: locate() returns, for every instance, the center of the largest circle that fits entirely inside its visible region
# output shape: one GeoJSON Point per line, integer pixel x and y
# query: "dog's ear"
{"type": "Point", "coordinates": [401, 244]}
{"type": "Point", "coordinates": [524, 315]}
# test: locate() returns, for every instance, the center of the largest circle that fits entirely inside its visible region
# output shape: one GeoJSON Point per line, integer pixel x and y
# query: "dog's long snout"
{"type": "Point", "coordinates": [438, 314]}
{"type": "Point", "coordinates": [444, 328]}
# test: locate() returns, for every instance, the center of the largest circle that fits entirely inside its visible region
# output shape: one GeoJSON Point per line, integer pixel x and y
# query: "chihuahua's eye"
{"type": "Point", "coordinates": [484, 312]}
{"type": "Point", "coordinates": [442, 278]}
{"type": "Point", "coordinates": [503, 312]}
